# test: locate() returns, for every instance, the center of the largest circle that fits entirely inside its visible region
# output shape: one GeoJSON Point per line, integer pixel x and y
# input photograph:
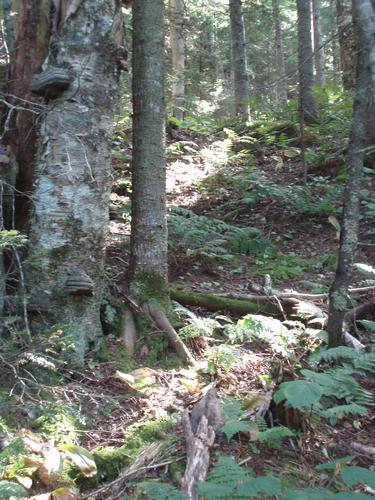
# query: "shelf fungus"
{"type": "Point", "coordinates": [52, 82]}
{"type": "Point", "coordinates": [79, 283]}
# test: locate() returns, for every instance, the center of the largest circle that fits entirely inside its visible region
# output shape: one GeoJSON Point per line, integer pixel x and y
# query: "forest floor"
{"type": "Point", "coordinates": [240, 220]}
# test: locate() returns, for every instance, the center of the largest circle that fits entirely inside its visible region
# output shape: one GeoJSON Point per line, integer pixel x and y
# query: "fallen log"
{"type": "Point", "coordinates": [216, 303]}
{"type": "Point", "coordinates": [199, 429]}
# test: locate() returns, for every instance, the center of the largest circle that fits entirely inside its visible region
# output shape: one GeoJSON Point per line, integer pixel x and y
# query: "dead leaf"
{"type": "Point", "coordinates": [191, 386]}
{"type": "Point", "coordinates": [33, 442]}
{"type": "Point", "coordinates": [24, 481]}
{"type": "Point", "coordinates": [82, 459]}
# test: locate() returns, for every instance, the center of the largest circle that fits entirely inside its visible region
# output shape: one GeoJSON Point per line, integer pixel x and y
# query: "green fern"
{"type": "Point", "coordinates": [234, 417]}
{"type": "Point", "coordinates": [212, 238]}
{"type": "Point", "coordinates": [337, 412]}
{"type": "Point", "coordinates": [365, 362]}
{"type": "Point", "coordinates": [333, 355]}
{"type": "Point", "coordinates": [274, 436]}
{"type": "Point", "coordinates": [230, 480]}
{"type": "Point", "coordinates": [155, 490]}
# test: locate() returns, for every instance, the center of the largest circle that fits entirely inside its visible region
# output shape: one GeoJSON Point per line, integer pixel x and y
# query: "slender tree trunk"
{"type": "Point", "coordinates": [347, 43]}
{"type": "Point", "coordinates": [73, 172]}
{"type": "Point", "coordinates": [148, 266]}
{"type": "Point", "coordinates": [282, 83]}
{"type": "Point", "coordinates": [319, 56]}
{"type": "Point", "coordinates": [239, 59]}
{"type": "Point", "coordinates": [365, 89]}
{"type": "Point", "coordinates": [305, 61]}
{"type": "Point", "coordinates": [336, 78]}
{"type": "Point", "coordinates": [177, 16]}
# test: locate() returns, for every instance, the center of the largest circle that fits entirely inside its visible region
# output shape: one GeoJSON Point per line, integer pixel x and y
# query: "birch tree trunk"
{"type": "Point", "coordinates": [365, 94]}
{"type": "Point", "coordinates": [73, 172]}
{"type": "Point", "coordinates": [177, 15]}
{"type": "Point", "coordinates": [239, 59]}
{"type": "Point", "coordinates": [347, 43]}
{"type": "Point", "coordinates": [305, 62]}
{"type": "Point", "coordinates": [282, 83]}
{"type": "Point", "coordinates": [148, 265]}
{"type": "Point", "coordinates": [319, 53]}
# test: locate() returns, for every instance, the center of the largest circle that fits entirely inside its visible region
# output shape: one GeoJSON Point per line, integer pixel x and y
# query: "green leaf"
{"type": "Point", "coordinates": [309, 494]}
{"type": "Point", "coordinates": [161, 491]}
{"type": "Point", "coordinates": [300, 393]}
{"type": "Point", "coordinates": [333, 465]}
{"type": "Point", "coordinates": [9, 489]}
{"type": "Point", "coordinates": [254, 486]}
{"type": "Point", "coordinates": [353, 475]}
{"type": "Point", "coordinates": [351, 496]}
{"type": "Point", "coordinates": [82, 459]}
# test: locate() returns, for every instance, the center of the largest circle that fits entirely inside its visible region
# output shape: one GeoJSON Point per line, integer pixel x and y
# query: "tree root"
{"type": "Point", "coordinates": [129, 332]}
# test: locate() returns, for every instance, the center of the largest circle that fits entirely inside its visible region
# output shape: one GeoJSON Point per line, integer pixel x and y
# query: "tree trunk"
{"type": "Point", "coordinates": [282, 81]}
{"type": "Point", "coordinates": [365, 21]}
{"type": "Point", "coordinates": [336, 78]}
{"type": "Point", "coordinates": [73, 172]}
{"type": "Point", "coordinates": [319, 57]}
{"type": "Point", "coordinates": [347, 43]}
{"type": "Point", "coordinates": [177, 14]}
{"type": "Point", "coordinates": [305, 62]}
{"type": "Point", "coordinates": [239, 59]}
{"type": "Point", "coordinates": [148, 264]}
{"type": "Point", "coordinates": [28, 47]}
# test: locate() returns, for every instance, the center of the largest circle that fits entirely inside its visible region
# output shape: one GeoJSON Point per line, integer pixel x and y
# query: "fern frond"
{"type": "Point", "coordinates": [365, 362]}
{"type": "Point", "coordinates": [341, 411]}
{"type": "Point", "coordinates": [334, 354]}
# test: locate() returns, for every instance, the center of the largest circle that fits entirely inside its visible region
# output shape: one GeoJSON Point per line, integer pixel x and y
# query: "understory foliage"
{"type": "Point", "coordinates": [229, 480]}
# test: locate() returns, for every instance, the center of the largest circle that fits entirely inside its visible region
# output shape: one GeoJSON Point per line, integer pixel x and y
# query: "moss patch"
{"type": "Point", "coordinates": [110, 461]}
{"type": "Point", "coordinates": [61, 423]}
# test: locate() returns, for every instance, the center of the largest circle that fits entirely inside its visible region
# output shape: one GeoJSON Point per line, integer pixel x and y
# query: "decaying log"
{"type": "Point", "coordinates": [199, 429]}
{"type": "Point", "coordinates": [217, 303]}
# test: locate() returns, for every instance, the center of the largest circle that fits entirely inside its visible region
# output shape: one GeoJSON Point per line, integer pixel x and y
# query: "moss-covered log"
{"type": "Point", "coordinates": [215, 303]}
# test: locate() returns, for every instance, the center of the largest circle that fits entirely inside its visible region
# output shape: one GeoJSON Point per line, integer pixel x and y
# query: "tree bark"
{"type": "Point", "coordinates": [305, 60]}
{"type": "Point", "coordinates": [148, 262]}
{"type": "Point", "coordinates": [347, 43]}
{"type": "Point", "coordinates": [239, 59]}
{"type": "Point", "coordinates": [73, 174]}
{"type": "Point", "coordinates": [177, 15]}
{"type": "Point", "coordinates": [365, 21]}
{"type": "Point", "coordinates": [282, 81]}
{"type": "Point", "coordinates": [319, 53]}
{"type": "Point", "coordinates": [28, 39]}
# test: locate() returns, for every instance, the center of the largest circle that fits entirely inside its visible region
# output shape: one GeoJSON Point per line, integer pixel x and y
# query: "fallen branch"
{"type": "Point", "coordinates": [199, 429]}
{"type": "Point", "coordinates": [117, 487]}
{"type": "Point", "coordinates": [219, 303]}
{"type": "Point", "coordinates": [155, 314]}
